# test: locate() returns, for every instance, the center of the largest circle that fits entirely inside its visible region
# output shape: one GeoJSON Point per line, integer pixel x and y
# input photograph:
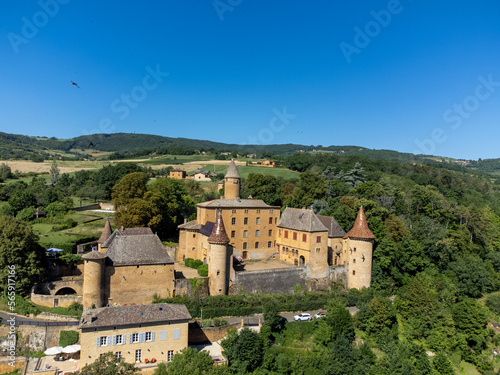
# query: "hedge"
{"type": "Point", "coordinates": [68, 338]}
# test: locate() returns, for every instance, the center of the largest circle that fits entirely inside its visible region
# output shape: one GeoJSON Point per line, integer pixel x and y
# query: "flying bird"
{"type": "Point", "coordinates": [74, 84]}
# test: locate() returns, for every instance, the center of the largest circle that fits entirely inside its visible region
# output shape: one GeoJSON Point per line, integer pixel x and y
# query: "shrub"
{"type": "Point", "coordinates": [203, 270]}
{"type": "Point", "coordinates": [68, 338]}
{"type": "Point", "coordinates": [216, 322]}
{"type": "Point", "coordinates": [193, 263]}
{"type": "Point", "coordinates": [493, 303]}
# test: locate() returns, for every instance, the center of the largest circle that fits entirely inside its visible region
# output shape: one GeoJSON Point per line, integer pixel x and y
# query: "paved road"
{"type": "Point", "coordinates": [25, 320]}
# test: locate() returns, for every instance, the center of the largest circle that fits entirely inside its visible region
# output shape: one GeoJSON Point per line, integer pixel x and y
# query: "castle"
{"type": "Point", "coordinates": [251, 229]}
{"type": "Point", "coordinates": [130, 265]}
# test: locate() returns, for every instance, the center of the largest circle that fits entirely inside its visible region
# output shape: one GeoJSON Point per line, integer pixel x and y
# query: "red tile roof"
{"type": "Point", "coordinates": [360, 228]}
{"type": "Point", "coordinates": [218, 235]}
{"type": "Point", "coordinates": [106, 232]}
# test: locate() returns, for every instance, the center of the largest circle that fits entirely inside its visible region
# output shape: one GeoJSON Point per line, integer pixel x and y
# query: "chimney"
{"type": "Point", "coordinates": [185, 220]}
{"type": "Point", "coordinates": [122, 228]}
{"type": "Point", "coordinates": [303, 207]}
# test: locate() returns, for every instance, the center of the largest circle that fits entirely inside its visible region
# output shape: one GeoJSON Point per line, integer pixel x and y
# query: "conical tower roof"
{"type": "Point", "coordinates": [360, 228]}
{"type": "Point", "coordinates": [232, 172]}
{"type": "Point", "coordinates": [218, 235]}
{"type": "Point", "coordinates": [106, 232]}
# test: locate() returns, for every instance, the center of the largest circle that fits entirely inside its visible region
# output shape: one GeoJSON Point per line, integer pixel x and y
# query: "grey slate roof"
{"type": "Point", "coordinates": [207, 229]}
{"type": "Point", "coordinates": [334, 229]}
{"type": "Point", "coordinates": [192, 225]}
{"type": "Point", "coordinates": [134, 315]}
{"type": "Point", "coordinates": [137, 250]}
{"type": "Point", "coordinates": [136, 231]}
{"type": "Point", "coordinates": [232, 172]}
{"type": "Point", "coordinates": [236, 203]}
{"type": "Point", "coordinates": [93, 255]}
{"type": "Point", "coordinates": [303, 220]}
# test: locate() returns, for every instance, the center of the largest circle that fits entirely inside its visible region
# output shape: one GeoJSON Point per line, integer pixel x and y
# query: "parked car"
{"type": "Point", "coordinates": [302, 317]}
{"type": "Point", "coordinates": [320, 314]}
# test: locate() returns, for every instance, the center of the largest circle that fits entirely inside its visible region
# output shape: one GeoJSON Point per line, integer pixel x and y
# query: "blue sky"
{"type": "Point", "coordinates": [412, 76]}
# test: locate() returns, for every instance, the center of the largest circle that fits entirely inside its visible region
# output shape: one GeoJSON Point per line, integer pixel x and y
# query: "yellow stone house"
{"type": "Point", "coordinates": [137, 333]}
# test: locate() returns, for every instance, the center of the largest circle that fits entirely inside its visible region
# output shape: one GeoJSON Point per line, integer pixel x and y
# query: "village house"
{"type": "Point", "coordinates": [137, 333]}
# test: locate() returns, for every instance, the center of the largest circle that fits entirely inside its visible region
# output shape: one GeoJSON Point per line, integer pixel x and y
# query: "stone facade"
{"type": "Point", "coordinates": [138, 333]}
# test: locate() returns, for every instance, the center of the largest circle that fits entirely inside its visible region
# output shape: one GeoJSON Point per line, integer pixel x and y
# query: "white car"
{"type": "Point", "coordinates": [302, 317]}
{"type": "Point", "coordinates": [320, 314]}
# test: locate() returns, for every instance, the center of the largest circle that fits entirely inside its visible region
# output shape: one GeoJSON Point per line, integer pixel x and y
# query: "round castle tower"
{"type": "Point", "coordinates": [232, 182]}
{"type": "Point", "coordinates": [92, 280]}
{"type": "Point", "coordinates": [358, 243]}
{"type": "Point", "coordinates": [218, 261]}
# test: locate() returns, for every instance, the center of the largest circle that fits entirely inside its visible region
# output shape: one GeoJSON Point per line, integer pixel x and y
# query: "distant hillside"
{"type": "Point", "coordinates": [36, 148]}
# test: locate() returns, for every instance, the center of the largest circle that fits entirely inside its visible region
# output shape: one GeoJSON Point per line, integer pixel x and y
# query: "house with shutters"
{"type": "Point", "coordinates": [138, 333]}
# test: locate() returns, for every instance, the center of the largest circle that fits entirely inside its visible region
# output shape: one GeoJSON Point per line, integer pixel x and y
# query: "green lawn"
{"type": "Point", "coordinates": [244, 171]}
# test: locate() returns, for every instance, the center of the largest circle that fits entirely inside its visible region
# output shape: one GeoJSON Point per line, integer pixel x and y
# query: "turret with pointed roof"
{"type": "Point", "coordinates": [232, 182]}
{"type": "Point", "coordinates": [218, 258]}
{"type": "Point", "coordinates": [106, 233]}
{"type": "Point", "coordinates": [218, 235]}
{"type": "Point", "coordinates": [360, 229]}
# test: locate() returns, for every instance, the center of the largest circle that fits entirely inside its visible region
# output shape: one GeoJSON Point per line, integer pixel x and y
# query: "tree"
{"type": "Point", "coordinates": [337, 322]}
{"type": "Point", "coordinates": [54, 172]}
{"type": "Point", "coordinates": [442, 364]}
{"type": "Point", "coordinates": [474, 276]}
{"type": "Point", "coordinates": [5, 172]}
{"type": "Point", "coordinates": [471, 320]}
{"type": "Point", "coordinates": [190, 361]}
{"type": "Point", "coordinates": [22, 199]}
{"type": "Point", "coordinates": [108, 364]}
{"type": "Point", "coordinates": [245, 351]}
{"type": "Point", "coordinates": [131, 186]}
{"type": "Point", "coordinates": [20, 251]}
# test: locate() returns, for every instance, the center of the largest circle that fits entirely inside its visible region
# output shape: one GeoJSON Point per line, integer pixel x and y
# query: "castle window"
{"type": "Point", "coordinates": [233, 221]}
{"type": "Point", "coordinates": [354, 249]}
{"type": "Point", "coordinates": [257, 221]}
{"type": "Point", "coordinates": [218, 273]}
{"type": "Point", "coordinates": [149, 336]}
{"type": "Point", "coordinates": [295, 235]}
{"type": "Point", "coordinates": [304, 237]}
{"type": "Point", "coordinates": [138, 355]}
{"type": "Point", "coordinates": [270, 244]}
{"type": "Point", "coordinates": [318, 249]}
{"type": "Point", "coordinates": [118, 355]}
{"type": "Point", "coordinates": [296, 262]}
{"type": "Point", "coordinates": [244, 245]}
{"type": "Point", "coordinates": [286, 234]}
{"type": "Point", "coordinates": [258, 211]}
{"type": "Point", "coordinates": [270, 232]}
{"type": "Point", "coordinates": [318, 239]}
{"type": "Point", "coordinates": [256, 245]}
{"type": "Point", "coordinates": [246, 211]}
{"type": "Point", "coordinates": [194, 235]}
{"type": "Point", "coordinates": [235, 181]}
{"type": "Point", "coordinates": [194, 248]}
{"type": "Point", "coordinates": [170, 355]}
{"type": "Point", "coordinates": [245, 221]}
{"type": "Point", "coordinates": [270, 211]}
{"type": "Point", "coordinates": [234, 211]}
{"type": "Point", "coordinates": [177, 333]}
{"type": "Point", "coordinates": [354, 260]}
{"type": "Point", "coordinates": [270, 220]}
{"type": "Point", "coordinates": [245, 234]}
{"type": "Point", "coordinates": [279, 233]}
{"type": "Point", "coordinates": [257, 232]}
{"type": "Point", "coordinates": [353, 272]}
{"type": "Point", "coordinates": [134, 337]}
{"type": "Point", "coordinates": [233, 234]}
{"type": "Point", "coordinates": [118, 340]}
